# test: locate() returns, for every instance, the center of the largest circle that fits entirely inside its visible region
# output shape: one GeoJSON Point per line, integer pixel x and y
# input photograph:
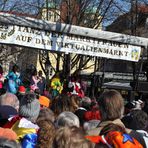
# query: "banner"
{"type": "Point", "coordinates": [54, 41]}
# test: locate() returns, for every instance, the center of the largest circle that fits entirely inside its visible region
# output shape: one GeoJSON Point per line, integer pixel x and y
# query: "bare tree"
{"type": "Point", "coordinates": [87, 13]}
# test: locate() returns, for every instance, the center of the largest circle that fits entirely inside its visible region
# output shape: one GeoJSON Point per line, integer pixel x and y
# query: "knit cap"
{"type": "Point", "coordinates": [8, 133]}
{"type": "Point", "coordinates": [44, 101]}
{"type": "Point", "coordinates": [29, 107]}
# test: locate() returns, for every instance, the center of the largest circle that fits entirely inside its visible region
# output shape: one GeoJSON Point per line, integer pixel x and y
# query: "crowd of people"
{"type": "Point", "coordinates": [62, 116]}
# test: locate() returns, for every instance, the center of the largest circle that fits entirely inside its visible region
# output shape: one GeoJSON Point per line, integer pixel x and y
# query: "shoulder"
{"type": "Point", "coordinates": [138, 136]}
{"type": "Point", "coordinates": [94, 132]}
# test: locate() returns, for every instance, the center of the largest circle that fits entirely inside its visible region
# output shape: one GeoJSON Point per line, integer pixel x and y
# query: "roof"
{"type": "Point", "coordinates": [20, 14]}
{"type": "Point", "coordinates": [117, 85]}
{"type": "Point", "coordinates": [143, 9]}
{"type": "Point", "coordinates": [51, 5]}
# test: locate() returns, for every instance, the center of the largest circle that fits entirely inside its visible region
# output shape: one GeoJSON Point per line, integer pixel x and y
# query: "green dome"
{"type": "Point", "coordinates": [50, 5]}
{"type": "Point", "coordinates": [91, 10]}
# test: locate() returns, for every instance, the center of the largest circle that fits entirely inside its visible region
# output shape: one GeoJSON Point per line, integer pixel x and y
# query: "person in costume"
{"type": "Point", "coordinates": [56, 85]}
{"type": "Point", "coordinates": [42, 83]}
{"type": "Point", "coordinates": [1, 77]}
{"type": "Point", "coordinates": [13, 78]}
{"type": "Point", "coordinates": [34, 81]}
{"type": "Point", "coordinates": [75, 86]}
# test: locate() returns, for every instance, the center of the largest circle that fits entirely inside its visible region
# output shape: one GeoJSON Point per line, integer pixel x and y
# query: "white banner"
{"type": "Point", "coordinates": [30, 37]}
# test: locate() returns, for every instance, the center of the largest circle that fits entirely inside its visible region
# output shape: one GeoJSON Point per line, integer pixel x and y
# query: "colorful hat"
{"type": "Point", "coordinates": [22, 89]}
{"type": "Point", "coordinates": [44, 101]}
{"type": "Point", "coordinates": [8, 133]}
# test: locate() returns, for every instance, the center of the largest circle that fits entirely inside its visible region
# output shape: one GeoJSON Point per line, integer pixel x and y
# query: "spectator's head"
{"type": "Point", "coordinates": [136, 120]}
{"type": "Point", "coordinates": [44, 102]}
{"type": "Point", "coordinates": [86, 102]}
{"type": "Point", "coordinates": [29, 107]}
{"type": "Point", "coordinates": [15, 68]}
{"type": "Point", "coordinates": [9, 99]}
{"type": "Point", "coordinates": [111, 105]}
{"type": "Point", "coordinates": [6, 143]}
{"type": "Point", "coordinates": [45, 114]}
{"type": "Point", "coordinates": [46, 134]}
{"type": "Point", "coordinates": [8, 133]}
{"type": "Point", "coordinates": [75, 101]}
{"type": "Point", "coordinates": [128, 107]}
{"type": "Point", "coordinates": [71, 137]}
{"type": "Point", "coordinates": [67, 119]}
{"type": "Point", "coordinates": [7, 111]}
{"type": "Point", "coordinates": [60, 104]}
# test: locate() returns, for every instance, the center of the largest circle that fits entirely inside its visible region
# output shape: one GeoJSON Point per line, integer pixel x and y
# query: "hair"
{"type": "Point", "coordinates": [111, 105]}
{"type": "Point", "coordinates": [6, 143]}
{"type": "Point", "coordinates": [20, 96]}
{"type": "Point", "coordinates": [128, 107]}
{"type": "Point", "coordinates": [71, 137]}
{"type": "Point", "coordinates": [34, 72]}
{"type": "Point", "coordinates": [67, 119]}
{"type": "Point", "coordinates": [112, 127]}
{"type": "Point", "coordinates": [9, 99]}
{"type": "Point", "coordinates": [60, 104]}
{"type": "Point", "coordinates": [45, 114]}
{"type": "Point", "coordinates": [46, 134]}
{"type": "Point", "coordinates": [86, 102]}
{"type": "Point", "coordinates": [75, 102]}
{"type": "Point", "coordinates": [40, 72]}
{"type": "Point", "coordinates": [138, 120]}
{"type": "Point", "coordinates": [2, 91]}
{"type": "Point", "coordinates": [15, 68]}
{"type": "Point", "coordinates": [1, 69]}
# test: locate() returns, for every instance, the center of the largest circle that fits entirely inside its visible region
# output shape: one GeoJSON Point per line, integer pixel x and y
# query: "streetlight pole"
{"type": "Point", "coordinates": [47, 9]}
{"type": "Point", "coordinates": [134, 10]}
{"type": "Point", "coordinates": [67, 59]}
